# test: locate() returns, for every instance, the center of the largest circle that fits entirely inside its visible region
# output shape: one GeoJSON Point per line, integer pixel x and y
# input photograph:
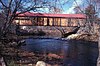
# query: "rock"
{"type": "Point", "coordinates": [21, 43]}
{"type": "Point", "coordinates": [73, 36]}
{"type": "Point", "coordinates": [50, 55]}
{"type": "Point", "coordinates": [41, 63]}
{"type": "Point", "coordinates": [30, 64]}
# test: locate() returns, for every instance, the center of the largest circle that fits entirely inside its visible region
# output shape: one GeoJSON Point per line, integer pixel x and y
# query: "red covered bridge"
{"type": "Point", "coordinates": [44, 19]}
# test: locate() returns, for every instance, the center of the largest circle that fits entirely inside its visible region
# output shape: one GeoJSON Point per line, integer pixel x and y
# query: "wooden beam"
{"type": "Point", "coordinates": [60, 21]}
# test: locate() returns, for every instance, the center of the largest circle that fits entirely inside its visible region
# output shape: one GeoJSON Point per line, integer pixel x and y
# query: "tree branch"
{"type": "Point", "coordinates": [3, 4]}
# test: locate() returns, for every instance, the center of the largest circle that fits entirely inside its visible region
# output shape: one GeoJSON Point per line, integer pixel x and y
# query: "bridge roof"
{"type": "Point", "coordinates": [31, 14]}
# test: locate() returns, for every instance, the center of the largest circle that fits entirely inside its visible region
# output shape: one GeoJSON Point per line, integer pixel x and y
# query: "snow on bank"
{"type": "Point", "coordinates": [73, 36]}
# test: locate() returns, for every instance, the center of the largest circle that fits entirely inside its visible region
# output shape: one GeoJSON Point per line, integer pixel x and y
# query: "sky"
{"type": "Point", "coordinates": [72, 6]}
{"type": "Point", "coordinates": [66, 5]}
{"type": "Point", "coordinates": [69, 6]}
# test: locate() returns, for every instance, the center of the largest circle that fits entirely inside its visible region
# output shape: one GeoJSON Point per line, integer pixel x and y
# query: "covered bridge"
{"type": "Point", "coordinates": [45, 19]}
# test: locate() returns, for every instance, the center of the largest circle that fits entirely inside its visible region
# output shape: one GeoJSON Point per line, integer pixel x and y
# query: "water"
{"type": "Point", "coordinates": [75, 53]}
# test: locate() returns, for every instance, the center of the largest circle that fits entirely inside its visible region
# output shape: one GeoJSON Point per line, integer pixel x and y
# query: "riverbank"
{"type": "Point", "coordinates": [85, 37]}
{"type": "Point", "coordinates": [17, 56]}
{"type": "Point", "coordinates": [56, 32]}
{"type": "Point", "coordinates": [30, 58]}
{"type": "Point", "coordinates": [83, 45]}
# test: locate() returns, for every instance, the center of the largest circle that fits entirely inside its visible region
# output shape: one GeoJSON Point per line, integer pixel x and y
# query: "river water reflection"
{"type": "Point", "coordinates": [75, 53]}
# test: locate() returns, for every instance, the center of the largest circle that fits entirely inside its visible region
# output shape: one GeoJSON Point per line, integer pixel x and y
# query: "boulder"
{"type": "Point", "coordinates": [41, 63]}
{"type": "Point", "coordinates": [73, 36]}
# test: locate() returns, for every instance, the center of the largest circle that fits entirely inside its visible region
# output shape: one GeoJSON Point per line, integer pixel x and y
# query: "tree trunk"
{"type": "Point", "coordinates": [98, 60]}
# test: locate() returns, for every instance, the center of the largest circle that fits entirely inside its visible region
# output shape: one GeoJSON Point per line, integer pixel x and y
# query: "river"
{"type": "Point", "coordinates": [75, 53]}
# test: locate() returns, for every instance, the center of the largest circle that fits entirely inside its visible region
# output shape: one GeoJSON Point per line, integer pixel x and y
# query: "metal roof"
{"type": "Point", "coordinates": [31, 14]}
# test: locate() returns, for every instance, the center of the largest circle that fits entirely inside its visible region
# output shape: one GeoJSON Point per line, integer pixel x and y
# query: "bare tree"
{"type": "Point", "coordinates": [77, 10]}
{"type": "Point", "coordinates": [92, 11]}
{"type": "Point", "coordinates": [12, 8]}
{"type": "Point", "coordinates": [55, 10]}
